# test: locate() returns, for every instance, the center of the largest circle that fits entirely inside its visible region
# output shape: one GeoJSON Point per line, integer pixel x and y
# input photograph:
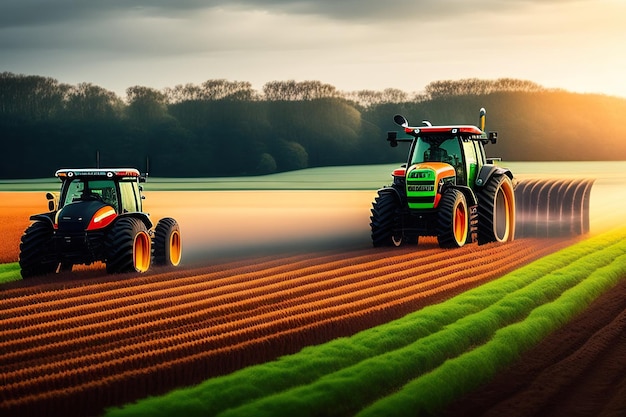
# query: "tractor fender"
{"type": "Point", "coordinates": [488, 171]}
{"type": "Point", "coordinates": [44, 217]}
{"type": "Point", "coordinates": [392, 190]}
{"type": "Point", "coordinates": [470, 197]}
{"type": "Point", "coordinates": [141, 216]}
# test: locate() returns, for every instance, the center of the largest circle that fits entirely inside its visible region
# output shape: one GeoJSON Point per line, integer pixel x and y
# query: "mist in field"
{"type": "Point", "coordinates": [217, 224]}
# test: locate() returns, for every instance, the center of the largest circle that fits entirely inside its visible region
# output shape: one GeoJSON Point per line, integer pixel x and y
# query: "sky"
{"type": "Point", "coordinates": [576, 45]}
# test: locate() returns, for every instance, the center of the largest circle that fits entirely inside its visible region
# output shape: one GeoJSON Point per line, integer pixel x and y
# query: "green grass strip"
{"type": "Point", "coordinates": [348, 390]}
{"type": "Point", "coordinates": [431, 392]}
{"type": "Point", "coordinates": [10, 272]}
{"type": "Point", "coordinates": [344, 375]}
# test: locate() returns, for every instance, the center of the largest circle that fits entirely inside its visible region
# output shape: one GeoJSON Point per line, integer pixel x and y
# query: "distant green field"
{"type": "Point", "coordinates": [361, 177]}
{"type": "Point", "coordinates": [357, 177]}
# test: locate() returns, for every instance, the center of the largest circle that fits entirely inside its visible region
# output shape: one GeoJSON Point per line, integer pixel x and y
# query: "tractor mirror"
{"type": "Point", "coordinates": [52, 204]}
{"type": "Point", "coordinates": [493, 137]}
{"type": "Point", "coordinates": [401, 120]}
{"type": "Point", "coordinates": [392, 137]}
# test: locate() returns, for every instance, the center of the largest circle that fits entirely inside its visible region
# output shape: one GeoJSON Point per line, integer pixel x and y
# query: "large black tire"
{"type": "Point", "coordinates": [128, 246]}
{"type": "Point", "coordinates": [33, 246]}
{"type": "Point", "coordinates": [496, 211]}
{"type": "Point", "coordinates": [167, 245]}
{"type": "Point", "coordinates": [385, 220]}
{"type": "Point", "coordinates": [453, 220]}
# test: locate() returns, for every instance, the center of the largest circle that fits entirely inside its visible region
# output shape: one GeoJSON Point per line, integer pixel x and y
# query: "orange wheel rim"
{"type": "Point", "coordinates": [460, 224]}
{"type": "Point", "coordinates": [141, 252]}
{"type": "Point", "coordinates": [175, 248]}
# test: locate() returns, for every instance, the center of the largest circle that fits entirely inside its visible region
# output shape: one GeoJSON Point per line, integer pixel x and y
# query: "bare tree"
{"type": "Point", "coordinates": [298, 91]}
{"type": "Point", "coordinates": [86, 101]}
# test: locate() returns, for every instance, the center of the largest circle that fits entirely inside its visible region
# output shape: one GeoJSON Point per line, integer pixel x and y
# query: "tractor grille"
{"type": "Point", "coordinates": [420, 186]}
{"type": "Point", "coordinates": [79, 247]}
{"type": "Point", "coordinates": [420, 193]}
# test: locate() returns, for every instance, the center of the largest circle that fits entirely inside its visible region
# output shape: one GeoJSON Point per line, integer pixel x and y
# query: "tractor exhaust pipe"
{"type": "Point", "coordinates": [481, 119]}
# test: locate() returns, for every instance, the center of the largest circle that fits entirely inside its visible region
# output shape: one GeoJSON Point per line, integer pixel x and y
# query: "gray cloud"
{"type": "Point", "coordinates": [353, 44]}
{"type": "Point", "coordinates": [42, 12]}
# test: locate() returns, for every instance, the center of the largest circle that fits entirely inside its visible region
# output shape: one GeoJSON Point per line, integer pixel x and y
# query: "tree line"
{"type": "Point", "coordinates": [226, 128]}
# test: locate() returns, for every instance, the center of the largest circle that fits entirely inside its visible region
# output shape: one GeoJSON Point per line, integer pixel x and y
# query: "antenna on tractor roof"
{"type": "Point", "coordinates": [145, 176]}
{"type": "Point", "coordinates": [97, 159]}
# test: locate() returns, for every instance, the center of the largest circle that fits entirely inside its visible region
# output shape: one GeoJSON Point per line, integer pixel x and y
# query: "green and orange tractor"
{"type": "Point", "coordinates": [98, 217]}
{"type": "Point", "coordinates": [448, 188]}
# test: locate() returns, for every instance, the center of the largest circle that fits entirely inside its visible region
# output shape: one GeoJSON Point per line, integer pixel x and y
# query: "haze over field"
{"type": "Point", "coordinates": [221, 223]}
{"type": "Point", "coordinates": [573, 44]}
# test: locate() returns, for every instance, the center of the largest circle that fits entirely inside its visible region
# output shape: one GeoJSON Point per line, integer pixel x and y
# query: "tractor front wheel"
{"type": "Point", "coordinates": [453, 220]}
{"type": "Point", "coordinates": [128, 246]}
{"type": "Point", "coordinates": [384, 221]}
{"type": "Point", "coordinates": [496, 211]}
{"type": "Point", "coordinates": [167, 243]}
{"type": "Point", "coordinates": [33, 246]}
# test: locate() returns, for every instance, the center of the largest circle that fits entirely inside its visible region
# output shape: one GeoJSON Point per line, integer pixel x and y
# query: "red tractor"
{"type": "Point", "coordinates": [447, 188]}
{"type": "Point", "coordinates": [99, 218]}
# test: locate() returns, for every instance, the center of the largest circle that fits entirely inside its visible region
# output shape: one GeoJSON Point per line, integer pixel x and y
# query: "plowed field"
{"type": "Point", "coordinates": [579, 370]}
{"type": "Point", "coordinates": [78, 345]}
{"type": "Point", "coordinates": [78, 342]}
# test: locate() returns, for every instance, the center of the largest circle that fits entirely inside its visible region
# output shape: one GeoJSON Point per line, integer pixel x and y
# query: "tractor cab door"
{"type": "Point", "coordinates": [131, 198]}
{"type": "Point", "coordinates": [473, 160]}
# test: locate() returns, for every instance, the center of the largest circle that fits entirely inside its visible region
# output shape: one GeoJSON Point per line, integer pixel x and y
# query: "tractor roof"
{"type": "Point", "coordinates": [459, 130]}
{"type": "Point", "coordinates": [97, 172]}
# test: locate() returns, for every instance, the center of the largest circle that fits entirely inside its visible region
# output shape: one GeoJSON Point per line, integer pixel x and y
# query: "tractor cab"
{"type": "Point", "coordinates": [465, 153]}
{"type": "Point", "coordinates": [118, 188]}
{"type": "Point", "coordinates": [439, 156]}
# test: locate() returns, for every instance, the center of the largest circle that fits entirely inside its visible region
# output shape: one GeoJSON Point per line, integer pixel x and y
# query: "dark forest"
{"type": "Point", "coordinates": [226, 128]}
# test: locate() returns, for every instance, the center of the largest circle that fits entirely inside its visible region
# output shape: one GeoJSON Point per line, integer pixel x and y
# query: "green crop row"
{"type": "Point", "coordinates": [10, 272]}
{"type": "Point", "coordinates": [418, 363]}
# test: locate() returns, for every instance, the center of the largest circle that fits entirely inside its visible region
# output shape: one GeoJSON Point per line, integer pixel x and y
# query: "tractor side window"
{"type": "Point", "coordinates": [480, 152]}
{"type": "Point", "coordinates": [471, 161]}
{"type": "Point", "coordinates": [129, 197]}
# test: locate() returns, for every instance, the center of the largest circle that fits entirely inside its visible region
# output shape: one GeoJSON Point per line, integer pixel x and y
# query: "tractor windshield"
{"type": "Point", "coordinates": [86, 190]}
{"type": "Point", "coordinates": [437, 150]}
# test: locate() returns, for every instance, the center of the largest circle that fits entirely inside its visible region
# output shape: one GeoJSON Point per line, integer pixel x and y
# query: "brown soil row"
{"type": "Point", "coordinates": [579, 370]}
{"type": "Point", "coordinates": [79, 345]}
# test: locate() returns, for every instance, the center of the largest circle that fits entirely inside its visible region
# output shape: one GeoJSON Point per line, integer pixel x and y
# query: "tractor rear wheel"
{"type": "Point", "coordinates": [34, 242]}
{"type": "Point", "coordinates": [385, 220]}
{"type": "Point", "coordinates": [496, 211]}
{"type": "Point", "coordinates": [453, 220]}
{"type": "Point", "coordinates": [167, 243]}
{"type": "Point", "coordinates": [128, 246]}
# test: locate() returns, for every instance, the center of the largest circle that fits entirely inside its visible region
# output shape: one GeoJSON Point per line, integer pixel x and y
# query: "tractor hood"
{"type": "Point", "coordinates": [84, 215]}
{"type": "Point", "coordinates": [424, 182]}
